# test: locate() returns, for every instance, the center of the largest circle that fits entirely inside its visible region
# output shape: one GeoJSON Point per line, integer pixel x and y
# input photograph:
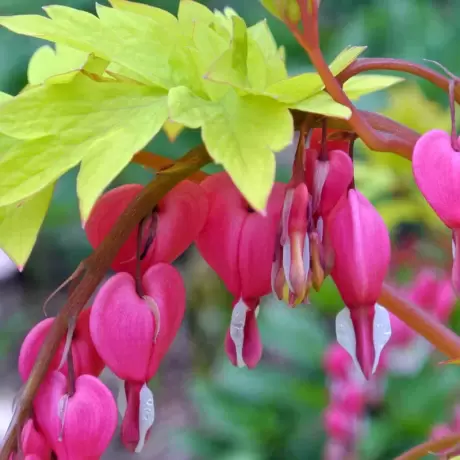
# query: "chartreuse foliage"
{"type": "Point", "coordinates": [381, 171]}
{"type": "Point", "coordinates": [115, 79]}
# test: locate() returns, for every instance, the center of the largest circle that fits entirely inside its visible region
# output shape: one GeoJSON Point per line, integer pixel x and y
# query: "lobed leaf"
{"type": "Point", "coordinates": [60, 125]}
{"type": "Point", "coordinates": [286, 10]}
{"type": "Point", "coordinates": [241, 133]}
{"type": "Point", "coordinates": [361, 85]}
{"type": "Point", "coordinates": [47, 62]}
{"type": "Point", "coordinates": [20, 224]}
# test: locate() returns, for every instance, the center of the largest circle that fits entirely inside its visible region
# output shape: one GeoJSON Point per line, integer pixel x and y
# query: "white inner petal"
{"type": "Point", "coordinates": [285, 215]}
{"type": "Point", "coordinates": [287, 264]}
{"type": "Point", "coordinates": [345, 334]}
{"type": "Point", "coordinates": [256, 312]}
{"type": "Point", "coordinates": [320, 228]}
{"type": "Point", "coordinates": [122, 403]}
{"type": "Point", "coordinates": [306, 255]}
{"type": "Point", "coordinates": [381, 332]}
{"type": "Point", "coordinates": [146, 415]}
{"type": "Point", "coordinates": [453, 247]}
{"type": "Point", "coordinates": [274, 273]}
{"type": "Point", "coordinates": [319, 178]}
{"type": "Point", "coordinates": [62, 410]}
{"type": "Point", "coordinates": [237, 324]}
{"type": "Point", "coordinates": [156, 314]}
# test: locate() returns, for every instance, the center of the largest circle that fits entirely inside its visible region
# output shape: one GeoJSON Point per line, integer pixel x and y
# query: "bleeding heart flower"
{"type": "Point", "coordinates": [85, 357]}
{"type": "Point", "coordinates": [361, 246]}
{"type": "Point", "coordinates": [80, 426]}
{"type": "Point", "coordinates": [237, 242]}
{"type": "Point", "coordinates": [33, 444]}
{"type": "Point", "coordinates": [185, 203]}
{"type": "Point", "coordinates": [242, 343]}
{"type": "Point", "coordinates": [132, 335]}
{"type": "Point", "coordinates": [436, 167]}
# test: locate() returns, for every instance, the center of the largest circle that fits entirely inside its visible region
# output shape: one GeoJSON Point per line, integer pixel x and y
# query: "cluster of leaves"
{"type": "Point", "coordinates": [116, 79]}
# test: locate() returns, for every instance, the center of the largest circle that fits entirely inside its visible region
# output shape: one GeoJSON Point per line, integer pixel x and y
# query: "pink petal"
{"type": "Point", "coordinates": [164, 284]}
{"type": "Point", "coordinates": [219, 239]}
{"type": "Point", "coordinates": [436, 168]}
{"type": "Point", "coordinates": [184, 203]}
{"type": "Point", "coordinates": [361, 246]}
{"type": "Point", "coordinates": [122, 328]}
{"type": "Point", "coordinates": [182, 214]}
{"type": "Point", "coordinates": [92, 403]}
{"type": "Point", "coordinates": [257, 246]}
{"type": "Point", "coordinates": [338, 179]}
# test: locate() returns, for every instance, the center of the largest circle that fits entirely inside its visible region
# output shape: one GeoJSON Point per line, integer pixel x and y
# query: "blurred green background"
{"type": "Point", "coordinates": [208, 409]}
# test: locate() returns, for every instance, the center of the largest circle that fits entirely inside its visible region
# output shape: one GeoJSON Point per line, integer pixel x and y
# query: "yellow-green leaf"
{"type": "Point", "coordinates": [190, 13]}
{"type": "Point", "coordinates": [345, 58]}
{"type": "Point", "coordinates": [62, 124]}
{"type": "Point", "coordinates": [98, 170]}
{"type": "Point", "coordinates": [159, 15]}
{"type": "Point", "coordinates": [4, 97]}
{"type": "Point", "coordinates": [323, 104]}
{"type": "Point", "coordinates": [241, 133]}
{"type": "Point", "coordinates": [300, 87]}
{"type": "Point", "coordinates": [361, 85]}
{"type": "Point", "coordinates": [395, 211]}
{"type": "Point", "coordinates": [47, 62]}
{"type": "Point", "coordinates": [283, 9]}
{"type": "Point", "coordinates": [20, 223]}
{"type": "Point", "coordinates": [136, 42]}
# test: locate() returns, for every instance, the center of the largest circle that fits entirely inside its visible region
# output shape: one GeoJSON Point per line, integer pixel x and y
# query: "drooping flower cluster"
{"type": "Point", "coordinates": [129, 328]}
{"type": "Point", "coordinates": [316, 225]}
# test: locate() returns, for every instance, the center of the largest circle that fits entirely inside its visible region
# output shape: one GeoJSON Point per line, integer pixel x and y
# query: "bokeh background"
{"type": "Point", "coordinates": [207, 409]}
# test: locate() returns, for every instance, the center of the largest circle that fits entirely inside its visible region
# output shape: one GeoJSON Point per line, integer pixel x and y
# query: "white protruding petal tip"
{"type": "Point", "coordinates": [146, 415]}
{"type": "Point", "coordinates": [306, 255]}
{"type": "Point", "coordinates": [62, 410]}
{"type": "Point", "coordinates": [381, 332]}
{"type": "Point", "coordinates": [237, 324]}
{"type": "Point", "coordinates": [320, 228]}
{"type": "Point", "coordinates": [287, 264]}
{"type": "Point", "coordinates": [345, 334]}
{"type": "Point", "coordinates": [453, 248]}
{"type": "Point", "coordinates": [257, 311]}
{"type": "Point", "coordinates": [122, 403]}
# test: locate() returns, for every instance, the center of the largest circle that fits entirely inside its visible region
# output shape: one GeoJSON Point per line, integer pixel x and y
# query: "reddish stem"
{"type": "Point", "coordinates": [398, 65]}
{"type": "Point", "coordinates": [435, 332]}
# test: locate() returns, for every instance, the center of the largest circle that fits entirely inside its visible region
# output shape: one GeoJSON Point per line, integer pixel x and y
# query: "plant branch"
{"type": "Point", "coordinates": [431, 447]}
{"type": "Point", "coordinates": [398, 65]}
{"type": "Point", "coordinates": [96, 265]}
{"type": "Point", "coordinates": [158, 162]}
{"type": "Point", "coordinates": [375, 140]}
{"type": "Point", "coordinates": [440, 336]}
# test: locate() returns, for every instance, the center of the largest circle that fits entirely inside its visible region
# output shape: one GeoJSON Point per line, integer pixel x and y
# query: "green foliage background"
{"type": "Point", "coordinates": [274, 411]}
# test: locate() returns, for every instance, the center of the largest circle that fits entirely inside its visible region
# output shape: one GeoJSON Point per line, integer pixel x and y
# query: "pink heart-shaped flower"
{"type": "Point", "coordinates": [180, 216]}
{"type": "Point", "coordinates": [85, 357]}
{"type": "Point", "coordinates": [237, 242]}
{"type": "Point", "coordinates": [124, 327]}
{"type": "Point", "coordinates": [436, 167]}
{"type": "Point", "coordinates": [80, 426]}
